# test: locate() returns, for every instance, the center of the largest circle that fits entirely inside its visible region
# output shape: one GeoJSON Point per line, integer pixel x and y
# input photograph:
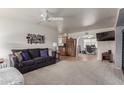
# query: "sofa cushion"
{"type": "Point", "coordinates": [50, 58]}
{"type": "Point", "coordinates": [26, 56]}
{"type": "Point", "coordinates": [39, 60]}
{"type": "Point", "coordinates": [28, 63]}
{"type": "Point", "coordinates": [34, 53]}
{"type": "Point", "coordinates": [44, 53]}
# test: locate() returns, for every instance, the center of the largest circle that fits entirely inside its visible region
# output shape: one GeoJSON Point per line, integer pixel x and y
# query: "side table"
{"type": "Point", "coordinates": [2, 64]}
{"type": "Point", "coordinates": [1, 60]}
{"type": "Point", "coordinates": [56, 54]}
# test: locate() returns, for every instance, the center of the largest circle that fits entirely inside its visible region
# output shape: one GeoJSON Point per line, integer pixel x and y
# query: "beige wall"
{"type": "Point", "coordinates": [13, 35]}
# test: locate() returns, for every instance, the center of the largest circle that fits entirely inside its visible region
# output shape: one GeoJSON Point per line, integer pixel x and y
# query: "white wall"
{"type": "Point", "coordinates": [13, 35]}
{"type": "Point", "coordinates": [102, 46]}
{"type": "Point", "coordinates": [94, 31]}
{"type": "Point", "coordinates": [81, 43]}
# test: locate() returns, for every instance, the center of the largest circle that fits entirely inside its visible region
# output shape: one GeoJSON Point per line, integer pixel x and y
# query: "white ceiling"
{"type": "Point", "coordinates": [75, 19]}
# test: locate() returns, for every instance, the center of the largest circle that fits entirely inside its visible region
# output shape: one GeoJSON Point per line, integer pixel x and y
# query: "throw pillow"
{"type": "Point", "coordinates": [26, 56]}
{"type": "Point", "coordinates": [19, 56]}
{"type": "Point", "coordinates": [44, 53]}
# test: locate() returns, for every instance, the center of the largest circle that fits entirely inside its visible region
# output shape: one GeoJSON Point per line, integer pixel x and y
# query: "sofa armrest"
{"type": "Point", "coordinates": [54, 54]}
{"type": "Point", "coordinates": [13, 60]}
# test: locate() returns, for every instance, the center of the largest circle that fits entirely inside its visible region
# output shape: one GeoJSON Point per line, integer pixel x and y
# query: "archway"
{"type": "Point", "coordinates": [87, 47]}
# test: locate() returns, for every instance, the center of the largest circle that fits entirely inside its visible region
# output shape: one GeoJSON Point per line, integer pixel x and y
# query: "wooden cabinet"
{"type": "Point", "coordinates": [64, 39]}
{"type": "Point", "coordinates": [69, 48]}
{"type": "Point", "coordinates": [62, 51]}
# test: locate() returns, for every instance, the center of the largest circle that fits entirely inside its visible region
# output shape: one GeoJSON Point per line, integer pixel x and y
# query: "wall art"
{"type": "Point", "coordinates": [35, 38]}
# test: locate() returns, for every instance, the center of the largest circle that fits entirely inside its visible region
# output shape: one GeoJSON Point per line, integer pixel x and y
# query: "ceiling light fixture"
{"type": "Point", "coordinates": [89, 36]}
{"type": "Point", "coordinates": [47, 17]}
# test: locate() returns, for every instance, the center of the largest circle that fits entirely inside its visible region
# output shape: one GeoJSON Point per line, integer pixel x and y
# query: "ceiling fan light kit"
{"type": "Point", "coordinates": [56, 18]}
{"type": "Point", "coordinates": [45, 17]}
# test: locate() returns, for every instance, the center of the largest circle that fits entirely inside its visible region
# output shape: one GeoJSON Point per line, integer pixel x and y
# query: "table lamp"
{"type": "Point", "coordinates": [55, 46]}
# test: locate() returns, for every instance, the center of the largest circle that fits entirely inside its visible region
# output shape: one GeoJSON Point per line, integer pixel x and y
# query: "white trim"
{"type": "Point", "coordinates": [117, 16]}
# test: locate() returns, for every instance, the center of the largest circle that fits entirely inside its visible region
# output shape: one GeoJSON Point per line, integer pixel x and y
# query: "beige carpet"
{"type": "Point", "coordinates": [75, 72]}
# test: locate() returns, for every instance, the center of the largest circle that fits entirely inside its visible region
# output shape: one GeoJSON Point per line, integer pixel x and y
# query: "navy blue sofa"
{"type": "Point", "coordinates": [36, 60]}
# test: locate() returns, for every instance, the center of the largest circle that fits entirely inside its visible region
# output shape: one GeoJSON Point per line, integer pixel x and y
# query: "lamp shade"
{"type": "Point", "coordinates": [54, 44]}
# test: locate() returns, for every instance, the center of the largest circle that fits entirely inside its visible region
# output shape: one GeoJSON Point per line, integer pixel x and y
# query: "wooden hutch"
{"type": "Point", "coordinates": [69, 46]}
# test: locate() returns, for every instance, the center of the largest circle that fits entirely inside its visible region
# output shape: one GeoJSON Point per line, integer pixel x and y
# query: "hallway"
{"type": "Point", "coordinates": [86, 57]}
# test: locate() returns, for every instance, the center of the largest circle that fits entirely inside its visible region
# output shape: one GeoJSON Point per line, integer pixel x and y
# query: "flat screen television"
{"type": "Point", "coordinates": [106, 36]}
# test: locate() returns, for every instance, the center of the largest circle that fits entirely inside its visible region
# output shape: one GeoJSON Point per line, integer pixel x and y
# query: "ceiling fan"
{"type": "Point", "coordinates": [47, 16]}
{"type": "Point", "coordinates": [88, 36]}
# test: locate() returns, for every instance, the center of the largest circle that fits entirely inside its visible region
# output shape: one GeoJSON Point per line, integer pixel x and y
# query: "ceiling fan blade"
{"type": "Point", "coordinates": [56, 18]}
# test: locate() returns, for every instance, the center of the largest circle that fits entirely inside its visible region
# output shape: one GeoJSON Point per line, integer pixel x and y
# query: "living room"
{"type": "Point", "coordinates": [38, 42]}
